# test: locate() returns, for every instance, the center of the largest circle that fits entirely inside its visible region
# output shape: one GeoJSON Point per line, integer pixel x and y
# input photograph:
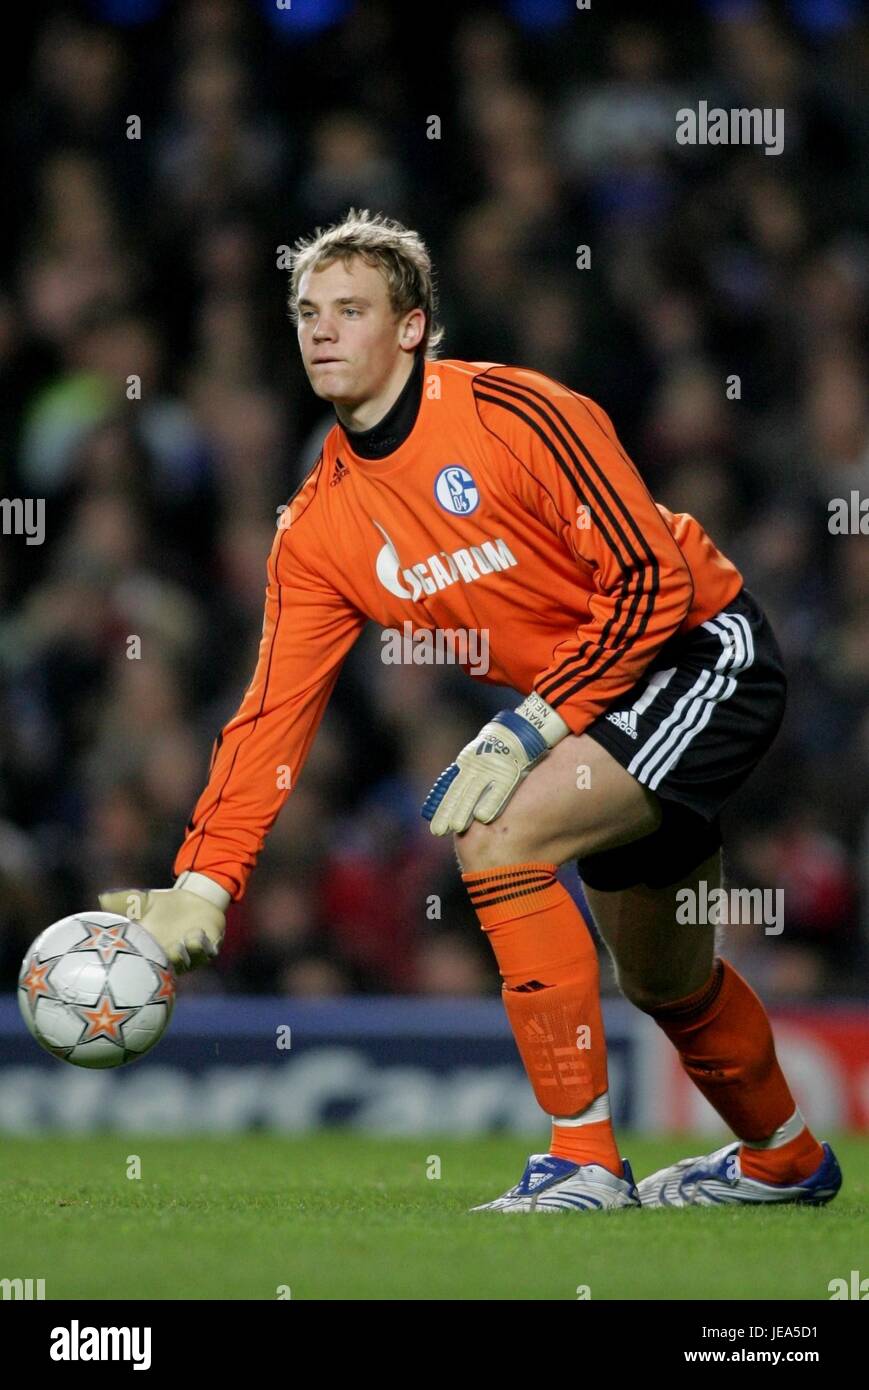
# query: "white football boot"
{"type": "Point", "coordinates": [555, 1184]}
{"type": "Point", "coordinates": [716, 1179]}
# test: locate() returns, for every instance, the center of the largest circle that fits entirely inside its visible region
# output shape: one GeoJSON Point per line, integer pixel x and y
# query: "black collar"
{"type": "Point", "coordinates": [391, 432]}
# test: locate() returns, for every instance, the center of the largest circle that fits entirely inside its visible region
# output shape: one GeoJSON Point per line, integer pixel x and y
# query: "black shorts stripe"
{"type": "Point", "coordinates": [692, 730]}
{"type": "Point", "coordinates": [694, 701]}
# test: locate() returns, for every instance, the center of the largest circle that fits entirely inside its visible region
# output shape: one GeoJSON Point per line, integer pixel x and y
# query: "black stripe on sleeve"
{"type": "Point", "coordinates": [617, 526]}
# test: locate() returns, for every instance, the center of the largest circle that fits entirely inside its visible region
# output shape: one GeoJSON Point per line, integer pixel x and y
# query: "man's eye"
{"type": "Point", "coordinates": [350, 310]}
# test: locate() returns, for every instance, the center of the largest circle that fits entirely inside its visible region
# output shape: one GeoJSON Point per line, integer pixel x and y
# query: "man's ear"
{"type": "Point", "coordinates": [408, 331]}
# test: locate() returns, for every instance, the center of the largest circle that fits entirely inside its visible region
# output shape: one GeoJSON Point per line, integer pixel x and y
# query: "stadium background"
{"type": "Point", "coordinates": [158, 256]}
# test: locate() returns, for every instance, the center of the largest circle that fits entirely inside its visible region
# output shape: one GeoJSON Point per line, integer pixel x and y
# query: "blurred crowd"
{"type": "Point", "coordinates": [720, 322]}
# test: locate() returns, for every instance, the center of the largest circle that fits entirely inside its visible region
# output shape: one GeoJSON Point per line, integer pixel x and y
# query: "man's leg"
{"type": "Point", "coordinates": [712, 1016]}
{"type": "Point", "coordinates": [577, 801]}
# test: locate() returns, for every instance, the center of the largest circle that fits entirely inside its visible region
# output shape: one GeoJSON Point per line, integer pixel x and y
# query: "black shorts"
{"type": "Point", "coordinates": [692, 729]}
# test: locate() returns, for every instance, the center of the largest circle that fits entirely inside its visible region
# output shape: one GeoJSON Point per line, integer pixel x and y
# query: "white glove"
{"type": "Point", "coordinates": [187, 920]}
{"type": "Point", "coordinates": [478, 785]}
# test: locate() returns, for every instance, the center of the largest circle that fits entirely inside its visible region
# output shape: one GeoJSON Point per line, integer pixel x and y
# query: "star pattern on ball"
{"type": "Point", "coordinates": [107, 941]}
{"type": "Point", "coordinates": [35, 981]}
{"type": "Point", "coordinates": [166, 989]}
{"type": "Point", "coordinates": [104, 1021]}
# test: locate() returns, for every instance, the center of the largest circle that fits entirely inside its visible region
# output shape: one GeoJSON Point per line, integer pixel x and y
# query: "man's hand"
{"type": "Point", "coordinates": [478, 785]}
{"type": "Point", "coordinates": [188, 920]}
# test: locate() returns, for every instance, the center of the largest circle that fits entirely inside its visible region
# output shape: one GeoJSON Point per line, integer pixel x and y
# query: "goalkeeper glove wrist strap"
{"type": "Point", "coordinates": [545, 721]}
{"type": "Point", "coordinates": [204, 887]}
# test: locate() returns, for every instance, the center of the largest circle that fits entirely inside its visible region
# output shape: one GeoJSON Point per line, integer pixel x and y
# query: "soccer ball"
{"type": "Point", "coordinates": [96, 990]}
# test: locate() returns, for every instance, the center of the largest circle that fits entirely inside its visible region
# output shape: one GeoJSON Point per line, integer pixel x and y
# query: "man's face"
{"type": "Point", "coordinates": [349, 337]}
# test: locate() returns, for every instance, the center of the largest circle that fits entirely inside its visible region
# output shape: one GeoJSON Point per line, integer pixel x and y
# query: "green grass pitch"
{"type": "Point", "coordinates": [337, 1215]}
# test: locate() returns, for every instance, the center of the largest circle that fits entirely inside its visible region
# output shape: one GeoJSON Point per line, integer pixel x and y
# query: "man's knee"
{"type": "Point", "coordinates": [551, 818]}
{"type": "Point", "coordinates": [491, 846]}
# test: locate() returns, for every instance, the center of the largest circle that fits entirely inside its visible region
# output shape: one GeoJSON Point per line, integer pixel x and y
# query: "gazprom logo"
{"type": "Point", "coordinates": [456, 490]}
{"type": "Point", "coordinates": [461, 566]}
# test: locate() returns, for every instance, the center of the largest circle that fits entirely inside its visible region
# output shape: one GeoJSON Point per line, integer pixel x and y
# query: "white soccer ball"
{"type": "Point", "coordinates": [96, 990]}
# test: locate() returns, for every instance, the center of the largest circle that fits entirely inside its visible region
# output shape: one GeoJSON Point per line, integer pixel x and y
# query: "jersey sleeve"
{"type": "Point", "coordinates": [256, 759]}
{"type": "Point", "coordinates": [569, 469]}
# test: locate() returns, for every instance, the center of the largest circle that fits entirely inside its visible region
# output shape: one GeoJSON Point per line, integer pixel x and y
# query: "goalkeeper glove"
{"type": "Point", "coordinates": [478, 785]}
{"type": "Point", "coordinates": [187, 920]}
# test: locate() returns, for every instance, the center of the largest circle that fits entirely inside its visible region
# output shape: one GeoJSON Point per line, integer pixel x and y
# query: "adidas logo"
{"type": "Point", "coordinates": [339, 472]}
{"type": "Point", "coordinates": [626, 720]}
{"type": "Point", "coordinates": [492, 745]}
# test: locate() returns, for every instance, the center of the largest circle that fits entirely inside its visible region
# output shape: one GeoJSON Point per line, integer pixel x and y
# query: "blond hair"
{"type": "Point", "coordinates": [397, 252]}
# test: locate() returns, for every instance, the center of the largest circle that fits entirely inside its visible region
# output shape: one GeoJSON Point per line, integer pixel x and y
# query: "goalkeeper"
{"type": "Point", "coordinates": [476, 496]}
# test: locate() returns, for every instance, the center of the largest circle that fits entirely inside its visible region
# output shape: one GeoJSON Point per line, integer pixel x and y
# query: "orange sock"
{"type": "Point", "coordinates": [791, 1161]}
{"type": "Point", "coordinates": [725, 1043]}
{"type": "Point", "coordinates": [548, 963]}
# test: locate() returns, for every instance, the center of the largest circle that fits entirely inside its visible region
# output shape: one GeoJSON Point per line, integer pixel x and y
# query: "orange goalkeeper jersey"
{"type": "Point", "coordinates": [511, 510]}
